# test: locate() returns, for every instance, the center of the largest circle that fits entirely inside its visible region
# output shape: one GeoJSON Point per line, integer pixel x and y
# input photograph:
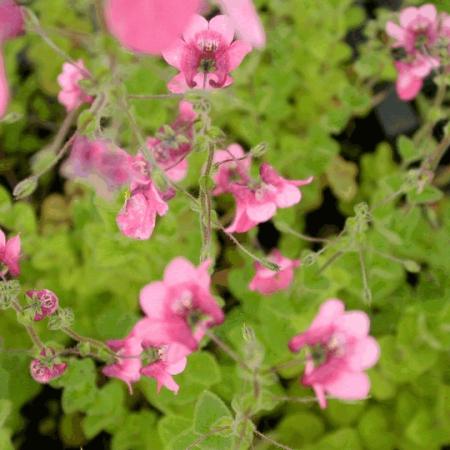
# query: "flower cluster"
{"type": "Point", "coordinates": [422, 36]}
{"type": "Point", "coordinates": [178, 311]}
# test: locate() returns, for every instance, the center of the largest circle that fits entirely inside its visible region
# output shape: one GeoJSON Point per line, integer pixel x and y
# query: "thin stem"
{"type": "Point", "coordinates": [153, 96]}
{"type": "Point", "coordinates": [367, 292]}
{"type": "Point", "coordinates": [77, 337]}
{"type": "Point", "coordinates": [286, 228]}
{"type": "Point", "coordinates": [272, 441]}
{"type": "Point", "coordinates": [331, 260]}
{"type": "Point", "coordinates": [206, 436]}
{"type": "Point", "coordinates": [286, 365]}
{"type": "Point", "coordinates": [29, 328]}
{"type": "Point", "coordinates": [228, 350]}
{"type": "Point", "coordinates": [206, 202]}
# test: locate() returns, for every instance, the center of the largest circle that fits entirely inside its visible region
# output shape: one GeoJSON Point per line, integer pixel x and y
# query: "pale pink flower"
{"type": "Point", "coordinates": [137, 218]}
{"type": "Point", "coordinates": [233, 167]}
{"type": "Point", "coordinates": [205, 55]}
{"type": "Point", "coordinates": [169, 153]}
{"type": "Point", "coordinates": [258, 203]}
{"type": "Point", "coordinates": [339, 350]}
{"type": "Point", "coordinates": [45, 368]}
{"type": "Point", "coordinates": [149, 26]}
{"type": "Point", "coordinates": [245, 21]}
{"type": "Point", "coordinates": [71, 94]}
{"type": "Point", "coordinates": [268, 281]}
{"type": "Point", "coordinates": [104, 165]}
{"type": "Point", "coordinates": [128, 366]}
{"type": "Point", "coordinates": [9, 255]}
{"type": "Point", "coordinates": [183, 300]}
{"type": "Point", "coordinates": [46, 300]}
{"type": "Point", "coordinates": [11, 25]}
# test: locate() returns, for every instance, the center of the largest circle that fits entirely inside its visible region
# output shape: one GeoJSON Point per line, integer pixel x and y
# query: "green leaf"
{"type": "Point", "coordinates": [208, 411]}
{"type": "Point", "coordinates": [407, 149]}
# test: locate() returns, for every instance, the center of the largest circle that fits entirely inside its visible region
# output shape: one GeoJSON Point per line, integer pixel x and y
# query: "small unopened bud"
{"type": "Point", "coordinates": [45, 368]}
{"type": "Point", "coordinates": [26, 187]}
{"type": "Point", "coordinates": [309, 259]}
{"type": "Point", "coordinates": [47, 303]}
{"type": "Point", "coordinates": [259, 150]}
{"type": "Point", "coordinates": [411, 266]}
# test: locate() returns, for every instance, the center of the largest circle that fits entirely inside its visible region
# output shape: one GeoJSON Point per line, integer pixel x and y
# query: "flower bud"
{"type": "Point", "coordinates": [47, 303]}
{"type": "Point", "coordinates": [45, 369]}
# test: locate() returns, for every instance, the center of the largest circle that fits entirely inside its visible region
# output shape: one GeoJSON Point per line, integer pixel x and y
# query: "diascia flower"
{"type": "Point", "coordinates": [233, 167]}
{"type": "Point", "coordinates": [148, 350]}
{"type": "Point", "coordinates": [268, 281]}
{"type": "Point", "coordinates": [149, 26]}
{"type": "Point", "coordinates": [71, 94]}
{"type": "Point", "coordinates": [339, 350]}
{"type": "Point", "coordinates": [258, 202]}
{"type": "Point", "coordinates": [205, 55]}
{"type": "Point", "coordinates": [9, 255]}
{"type": "Point", "coordinates": [11, 25]}
{"type": "Point", "coordinates": [170, 151]}
{"type": "Point", "coordinates": [183, 300]}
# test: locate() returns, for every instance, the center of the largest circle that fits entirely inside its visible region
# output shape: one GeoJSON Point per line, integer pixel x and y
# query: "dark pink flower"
{"type": "Point", "coordinates": [149, 26]}
{"type": "Point", "coordinates": [245, 21]}
{"type": "Point", "coordinates": [46, 368]}
{"type": "Point", "coordinates": [183, 300]}
{"type": "Point", "coordinates": [47, 302]}
{"type": "Point", "coordinates": [258, 202]}
{"type": "Point", "coordinates": [268, 281]}
{"type": "Point", "coordinates": [339, 351]}
{"type": "Point", "coordinates": [72, 95]}
{"type": "Point", "coordinates": [137, 218]}
{"type": "Point", "coordinates": [11, 25]}
{"type": "Point", "coordinates": [234, 167]}
{"type": "Point", "coordinates": [9, 255]}
{"type": "Point", "coordinates": [170, 152]}
{"type": "Point", "coordinates": [205, 55]}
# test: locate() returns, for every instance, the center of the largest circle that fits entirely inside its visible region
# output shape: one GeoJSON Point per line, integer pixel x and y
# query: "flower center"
{"type": "Point", "coordinates": [207, 65]}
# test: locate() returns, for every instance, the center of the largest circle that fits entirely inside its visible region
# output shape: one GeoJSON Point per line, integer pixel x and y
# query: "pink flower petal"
{"type": "Point", "coordinates": [180, 270]}
{"type": "Point", "coordinates": [349, 386]}
{"type": "Point", "coordinates": [237, 52]}
{"type": "Point", "coordinates": [245, 20]}
{"type": "Point", "coordinates": [196, 24]}
{"type": "Point", "coordinates": [366, 353]}
{"type": "Point", "coordinates": [408, 15]}
{"type": "Point", "coordinates": [174, 55]}
{"type": "Point", "coordinates": [149, 26]}
{"type": "Point", "coordinates": [354, 323]}
{"type": "Point", "coordinates": [395, 31]}
{"type": "Point", "coordinates": [178, 84]}
{"type": "Point", "coordinates": [223, 26]}
{"type": "Point", "coordinates": [428, 11]}
{"type": "Point", "coordinates": [152, 300]}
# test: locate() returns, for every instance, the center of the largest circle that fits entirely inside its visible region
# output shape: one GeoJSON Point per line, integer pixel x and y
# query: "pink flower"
{"type": "Point", "coordinates": [9, 255]}
{"type": "Point", "coordinates": [184, 301]}
{"type": "Point", "coordinates": [94, 159]}
{"type": "Point", "coordinates": [45, 369]}
{"type": "Point", "coordinates": [245, 20]}
{"type": "Point", "coordinates": [168, 358]}
{"type": "Point", "coordinates": [206, 55]}
{"type": "Point", "coordinates": [149, 26]}
{"type": "Point", "coordinates": [339, 350]}
{"type": "Point", "coordinates": [148, 351]}
{"type": "Point", "coordinates": [169, 151]}
{"type": "Point", "coordinates": [418, 28]}
{"type": "Point", "coordinates": [234, 168]}
{"type": "Point", "coordinates": [258, 203]}
{"type": "Point", "coordinates": [137, 218]}
{"type": "Point", "coordinates": [46, 300]}
{"type": "Point", "coordinates": [11, 25]}
{"type": "Point", "coordinates": [71, 94]}
{"type": "Point", "coordinates": [268, 281]}
{"type": "Point", "coordinates": [128, 366]}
